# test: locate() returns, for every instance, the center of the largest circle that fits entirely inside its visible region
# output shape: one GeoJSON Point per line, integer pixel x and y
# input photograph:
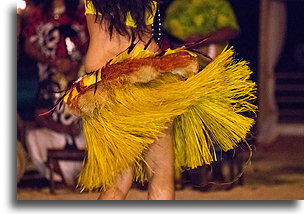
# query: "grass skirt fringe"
{"type": "Point", "coordinates": [208, 108]}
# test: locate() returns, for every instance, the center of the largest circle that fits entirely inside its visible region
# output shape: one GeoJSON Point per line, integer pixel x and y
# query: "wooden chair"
{"type": "Point", "coordinates": [55, 155]}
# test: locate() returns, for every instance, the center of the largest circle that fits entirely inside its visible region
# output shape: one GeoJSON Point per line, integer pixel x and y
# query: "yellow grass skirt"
{"type": "Point", "coordinates": [122, 116]}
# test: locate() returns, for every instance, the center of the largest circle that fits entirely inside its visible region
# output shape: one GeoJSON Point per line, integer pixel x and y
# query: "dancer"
{"type": "Point", "coordinates": [146, 114]}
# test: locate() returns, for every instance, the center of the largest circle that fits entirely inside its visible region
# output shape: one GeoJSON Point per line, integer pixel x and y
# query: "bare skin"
{"type": "Point", "coordinates": [159, 157]}
{"type": "Point", "coordinates": [102, 48]}
{"type": "Point", "coordinates": [121, 188]}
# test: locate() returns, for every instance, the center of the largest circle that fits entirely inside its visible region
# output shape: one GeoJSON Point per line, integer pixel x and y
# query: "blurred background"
{"type": "Point", "coordinates": [51, 44]}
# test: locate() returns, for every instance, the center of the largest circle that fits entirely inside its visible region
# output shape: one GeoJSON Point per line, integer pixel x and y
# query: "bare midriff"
{"type": "Point", "coordinates": [102, 48]}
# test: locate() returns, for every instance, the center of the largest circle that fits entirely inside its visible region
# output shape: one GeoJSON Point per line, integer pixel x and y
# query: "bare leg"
{"type": "Point", "coordinates": [120, 190]}
{"type": "Point", "coordinates": [160, 157]}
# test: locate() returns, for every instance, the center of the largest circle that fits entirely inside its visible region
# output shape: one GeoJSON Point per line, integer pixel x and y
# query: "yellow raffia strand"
{"type": "Point", "coordinates": [171, 51]}
{"type": "Point", "coordinates": [206, 109]}
{"type": "Point", "coordinates": [90, 79]}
